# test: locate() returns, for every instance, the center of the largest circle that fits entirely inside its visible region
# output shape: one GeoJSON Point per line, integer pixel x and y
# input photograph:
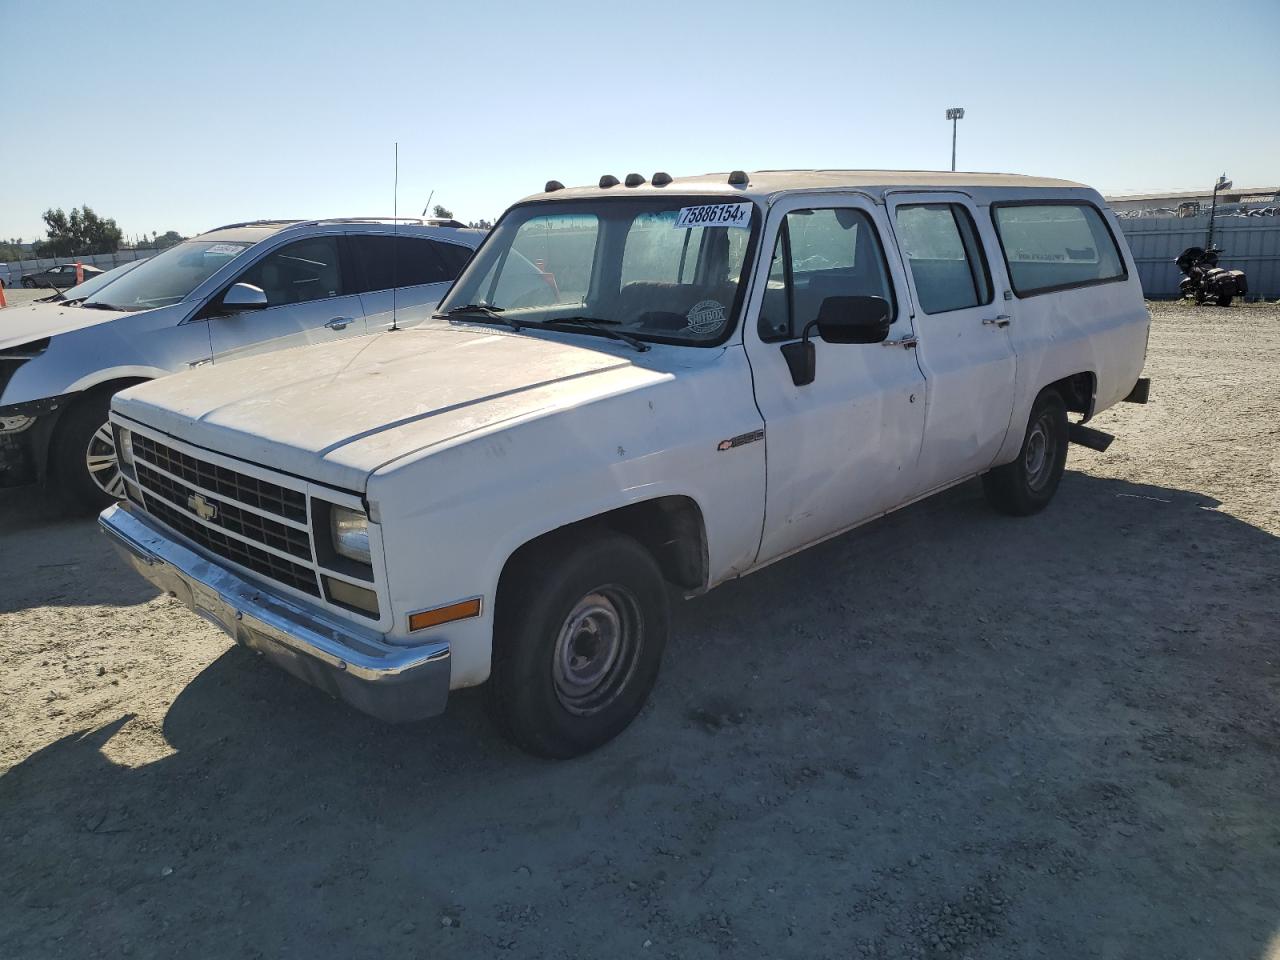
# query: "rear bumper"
{"type": "Point", "coordinates": [393, 683]}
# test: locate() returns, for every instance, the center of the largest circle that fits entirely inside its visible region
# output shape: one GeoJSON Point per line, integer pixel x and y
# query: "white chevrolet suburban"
{"type": "Point", "coordinates": [697, 377]}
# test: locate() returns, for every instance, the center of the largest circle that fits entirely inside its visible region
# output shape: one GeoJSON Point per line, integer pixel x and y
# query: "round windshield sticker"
{"type": "Point", "coordinates": [707, 316]}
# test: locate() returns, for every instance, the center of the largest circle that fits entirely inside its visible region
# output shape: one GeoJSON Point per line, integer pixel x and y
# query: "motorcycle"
{"type": "Point", "coordinates": [1205, 280]}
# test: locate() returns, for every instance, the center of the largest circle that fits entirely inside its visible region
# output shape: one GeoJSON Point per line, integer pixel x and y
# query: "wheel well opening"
{"type": "Point", "coordinates": [45, 449]}
{"type": "Point", "coordinates": [670, 528]}
{"type": "Point", "coordinates": [1078, 392]}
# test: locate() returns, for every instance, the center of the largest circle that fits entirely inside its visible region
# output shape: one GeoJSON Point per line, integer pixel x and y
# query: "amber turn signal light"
{"type": "Point", "coordinates": [462, 610]}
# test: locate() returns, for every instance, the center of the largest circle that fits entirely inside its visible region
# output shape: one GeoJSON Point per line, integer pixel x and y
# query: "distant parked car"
{"type": "Point", "coordinates": [61, 277]}
{"type": "Point", "coordinates": [91, 285]}
{"type": "Point", "coordinates": [241, 289]}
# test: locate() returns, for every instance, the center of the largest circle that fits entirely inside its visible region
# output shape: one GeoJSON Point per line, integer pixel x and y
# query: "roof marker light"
{"type": "Point", "coordinates": [738, 178]}
{"type": "Point", "coordinates": [607, 181]}
{"type": "Point", "coordinates": [634, 179]}
{"type": "Point", "coordinates": [552, 186]}
{"type": "Point", "coordinates": [661, 179]}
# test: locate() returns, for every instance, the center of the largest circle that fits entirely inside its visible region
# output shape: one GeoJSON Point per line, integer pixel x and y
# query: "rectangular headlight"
{"type": "Point", "coordinates": [349, 530]}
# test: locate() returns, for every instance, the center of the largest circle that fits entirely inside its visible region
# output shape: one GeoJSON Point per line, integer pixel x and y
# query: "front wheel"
{"type": "Point", "coordinates": [1026, 485]}
{"type": "Point", "coordinates": [578, 639]}
{"type": "Point", "coordinates": [82, 459]}
{"type": "Point", "coordinates": [29, 284]}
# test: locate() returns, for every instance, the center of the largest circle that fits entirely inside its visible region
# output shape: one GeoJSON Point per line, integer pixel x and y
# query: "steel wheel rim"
{"type": "Point", "coordinates": [101, 461]}
{"type": "Point", "coordinates": [1038, 459]}
{"type": "Point", "coordinates": [597, 650]}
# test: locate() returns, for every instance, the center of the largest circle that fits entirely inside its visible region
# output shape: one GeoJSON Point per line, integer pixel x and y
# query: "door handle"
{"type": "Point", "coordinates": [338, 323]}
{"type": "Point", "coordinates": [1002, 320]}
{"type": "Point", "coordinates": [906, 343]}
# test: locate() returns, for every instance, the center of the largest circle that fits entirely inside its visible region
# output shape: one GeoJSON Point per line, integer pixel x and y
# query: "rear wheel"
{"type": "Point", "coordinates": [1026, 485]}
{"type": "Point", "coordinates": [1224, 300]}
{"type": "Point", "coordinates": [29, 284]}
{"type": "Point", "coordinates": [578, 639]}
{"type": "Point", "coordinates": [83, 466]}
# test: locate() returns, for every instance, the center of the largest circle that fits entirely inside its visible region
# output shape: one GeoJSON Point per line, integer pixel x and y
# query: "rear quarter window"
{"type": "Point", "coordinates": [1055, 246]}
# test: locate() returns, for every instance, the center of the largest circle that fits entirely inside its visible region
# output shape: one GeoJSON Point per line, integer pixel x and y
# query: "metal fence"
{"type": "Point", "coordinates": [11, 273]}
{"type": "Point", "coordinates": [1251, 244]}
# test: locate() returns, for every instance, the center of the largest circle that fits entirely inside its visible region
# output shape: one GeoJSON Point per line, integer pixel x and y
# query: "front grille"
{"type": "Point", "coordinates": [291, 540]}
{"type": "Point", "coordinates": [260, 561]}
{"type": "Point", "coordinates": [266, 496]}
{"type": "Point", "coordinates": [240, 518]}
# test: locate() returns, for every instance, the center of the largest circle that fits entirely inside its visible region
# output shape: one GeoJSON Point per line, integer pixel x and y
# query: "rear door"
{"type": "Point", "coordinates": [402, 277]}
{"type": "Point", "coordinates": [308, 301]}
{"type": "Point", "coordinates": [843, 448]}
{"type": "Point", "coordinates": [965, 350]}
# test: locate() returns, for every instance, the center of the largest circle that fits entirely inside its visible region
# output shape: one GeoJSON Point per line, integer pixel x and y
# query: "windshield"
{"type": "Point", "coordinates": [656, 268]}
{"type": "Point", "coordinates": [96, 283]}
{"type": "Point", "coordinates": [170, 276]}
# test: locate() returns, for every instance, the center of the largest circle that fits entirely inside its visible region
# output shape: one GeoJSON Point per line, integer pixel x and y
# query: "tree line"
{"type": "Point", "coordinates": [79, 233]}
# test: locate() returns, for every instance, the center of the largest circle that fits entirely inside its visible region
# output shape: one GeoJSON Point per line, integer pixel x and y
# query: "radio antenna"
{"type": "Point", "coordinates": [395, 236]}
{"type": "Point", "coordinates": [428, 206]}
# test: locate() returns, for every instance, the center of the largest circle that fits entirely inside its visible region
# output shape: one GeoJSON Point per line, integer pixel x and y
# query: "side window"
{"type": "Point", "coordinates": [940, 245]}
{"type": "Point", "coordinates": [298, 272]}
{"type": "Point", "coordinates": [833, 252]}
{"type": "Point", "coordinates": [384, 261]}
{"type": "Point", "coordinates": [454, 256]}
{"type": "Point", "coordinates": [1048, 246]}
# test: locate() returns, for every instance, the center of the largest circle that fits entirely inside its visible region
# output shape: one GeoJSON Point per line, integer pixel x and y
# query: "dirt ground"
{"type": "Point", "coordinates": [948, 734]}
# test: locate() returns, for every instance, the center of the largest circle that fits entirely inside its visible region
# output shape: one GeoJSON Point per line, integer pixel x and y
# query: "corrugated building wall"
{"type": "Point", "coordinates": [1251, 244]}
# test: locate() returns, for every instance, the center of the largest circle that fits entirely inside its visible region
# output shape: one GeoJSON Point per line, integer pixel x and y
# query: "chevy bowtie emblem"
{"type": "Point", "coordinates": [201, 507]}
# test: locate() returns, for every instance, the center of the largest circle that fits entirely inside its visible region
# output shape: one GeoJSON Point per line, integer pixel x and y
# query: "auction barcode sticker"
{"type": "Point", "coordinates": [715, 215]}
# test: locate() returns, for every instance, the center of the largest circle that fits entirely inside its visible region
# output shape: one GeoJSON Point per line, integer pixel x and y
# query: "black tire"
{"type": "Point", "coordinates": [553, 634]}
{"type": "Point", "coordinates": [29, 284]}
{"type": "Point", "coordinates": [1026, 485]}
{"type": "Point", "coordinates": [1224, 300]}
{"type": "Point", "coordinates": [79, 427]}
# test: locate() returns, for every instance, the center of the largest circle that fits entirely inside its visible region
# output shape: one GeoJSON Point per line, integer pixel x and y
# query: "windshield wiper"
{"type": "Point", "coordinates": [600, 326]}
{"type": "Point", "coordinates": [483, 310]}
{"type": "Point", "coordinates": [101, 306]}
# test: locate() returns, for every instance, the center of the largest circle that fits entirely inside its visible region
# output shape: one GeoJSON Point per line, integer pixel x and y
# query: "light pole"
{"type": "Point", "coordinates": [1222, 184]}
{"type": "Point", "coordinates": [954, 114]}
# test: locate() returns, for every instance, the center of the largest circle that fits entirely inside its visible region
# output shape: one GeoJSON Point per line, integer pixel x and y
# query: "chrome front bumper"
{"type": "Point", "coordinates": [390, 682]}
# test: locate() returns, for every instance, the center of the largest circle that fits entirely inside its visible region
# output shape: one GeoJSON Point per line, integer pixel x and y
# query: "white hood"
{"type": "Point", "coordinates": [19, 325]}
{"type": "Point", "coordinates": [336, 412]}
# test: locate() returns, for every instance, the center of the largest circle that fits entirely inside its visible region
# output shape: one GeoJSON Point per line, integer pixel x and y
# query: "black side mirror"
{"type": "Point", "coordinates": [840, 320]}
{"type": "Point", "coordinates": [853, 320]}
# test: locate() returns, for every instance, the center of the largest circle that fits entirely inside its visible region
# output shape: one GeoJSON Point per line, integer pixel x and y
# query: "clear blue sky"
{"type": "Point", "coordinates": [176, 115]}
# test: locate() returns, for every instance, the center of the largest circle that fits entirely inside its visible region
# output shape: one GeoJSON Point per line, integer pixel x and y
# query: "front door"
{"type": "Point", "coordinates": [843, 448]}
{"type": "Point", "coordinates": [962, 320]}
{"type": "Point", "coordinates": [307, 302]}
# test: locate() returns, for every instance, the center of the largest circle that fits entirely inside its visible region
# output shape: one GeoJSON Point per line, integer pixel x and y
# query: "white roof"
{"type": "Point", "coordinates": [764, 183]}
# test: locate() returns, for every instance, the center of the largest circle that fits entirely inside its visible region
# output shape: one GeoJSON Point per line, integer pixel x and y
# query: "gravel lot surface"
{"type": "Point", "coordinates": [948, 734]}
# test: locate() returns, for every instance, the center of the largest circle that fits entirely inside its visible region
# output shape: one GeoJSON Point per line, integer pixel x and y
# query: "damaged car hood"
{"type": "Point", "coordinates": [336, 412]}
{"type": "Point", "coordinates": [35, 321]}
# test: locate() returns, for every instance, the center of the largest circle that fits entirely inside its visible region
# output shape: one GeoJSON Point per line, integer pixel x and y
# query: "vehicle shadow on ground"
{"type": "Point", "coordinates": [950, 733]}
{"type": "Point", "coordinates": [50, 559]}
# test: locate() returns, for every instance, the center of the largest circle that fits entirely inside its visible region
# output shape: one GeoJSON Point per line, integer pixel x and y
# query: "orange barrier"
{"type": "Point", "coordinates": [79, 273]}
{"type": "Point", "coordinates": [2, 303]}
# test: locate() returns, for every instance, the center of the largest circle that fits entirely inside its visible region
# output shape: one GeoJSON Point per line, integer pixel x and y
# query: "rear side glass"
{"type": "Point", "coordinates": [940, 245]}
{"type": "Point", "coordinates": [384, 261]}
{"type": "Point", "coordinates": [453, 255]}
{"type": "Point", "coordinates": [1054, 246]}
